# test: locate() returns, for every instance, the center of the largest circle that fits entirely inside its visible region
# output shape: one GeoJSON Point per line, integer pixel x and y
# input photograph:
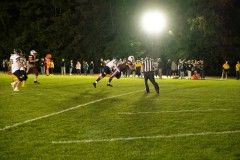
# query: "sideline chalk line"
{"type": "Point", "coordinates": [65, 110]}
{"type": "Point", "coordinates": [145, 137]}
{"type": "Point", "coordinates": [176, 111]}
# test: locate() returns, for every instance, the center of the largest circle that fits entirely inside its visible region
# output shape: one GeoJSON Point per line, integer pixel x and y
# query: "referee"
{"type": "Point", "coordinates": [148, 71]}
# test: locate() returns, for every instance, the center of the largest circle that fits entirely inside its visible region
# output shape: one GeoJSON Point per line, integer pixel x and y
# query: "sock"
{"type": "Point", "coordinates": [35, 79]}
{"type": "Point", "coordinates": [98, 80]}
{"type": "Point", "coordinates": [23, 84]}
{"type": "Point", "coordinates": [110, 80]}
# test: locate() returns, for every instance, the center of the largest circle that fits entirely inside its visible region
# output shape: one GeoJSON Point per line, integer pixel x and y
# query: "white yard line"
{"type": "Point", "coordinates": [65, 110]}
{"type": "Point", "coordinates": [176, 111]}
{"type": "Point", "coordinates": [199, 99]}
{"type": "Point", "coordinates": [146, 137]}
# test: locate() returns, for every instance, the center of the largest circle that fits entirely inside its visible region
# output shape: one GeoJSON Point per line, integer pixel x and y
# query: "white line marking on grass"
{"type": "Point", "coordinates": [199, 99]}
{"type": "Point", "coordinates": [65, 110]}
{"type": "Point", "coordinates": [145, 137]}
{"type": "Point", "coordinates": [176, 111]}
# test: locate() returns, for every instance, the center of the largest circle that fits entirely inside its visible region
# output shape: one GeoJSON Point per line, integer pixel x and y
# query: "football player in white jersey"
{"type": "Point", "coordinates": [108, 70]}
{"type": "Point", "coordinates": [128, 63]}
{"type": "Point", "coordinates": [16, 64]}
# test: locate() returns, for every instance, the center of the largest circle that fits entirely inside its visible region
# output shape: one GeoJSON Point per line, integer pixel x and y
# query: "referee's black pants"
{"type": "Point", "coordinates": [150, 76]}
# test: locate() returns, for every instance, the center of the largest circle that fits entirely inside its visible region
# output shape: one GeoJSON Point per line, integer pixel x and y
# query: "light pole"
{"type": "Point", "coordinates": [153, 22]}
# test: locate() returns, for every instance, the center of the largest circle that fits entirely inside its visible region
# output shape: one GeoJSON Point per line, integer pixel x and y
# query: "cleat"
{"type": "Point", "coordinates": [94, 85]}
{"type": "Point", "coordinates": [16, 89]}
{"type": "Point", "coordinates": [36, 82]}
{"type": "Point", "coordinates": [109, 85]}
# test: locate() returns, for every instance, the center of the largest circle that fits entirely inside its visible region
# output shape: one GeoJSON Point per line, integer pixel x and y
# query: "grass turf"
{"type": "Point", "coordinates": [136, 115]}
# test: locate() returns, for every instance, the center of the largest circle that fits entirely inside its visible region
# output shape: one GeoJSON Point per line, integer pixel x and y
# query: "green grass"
{"type": "Point", "coordinates": [105, 119]}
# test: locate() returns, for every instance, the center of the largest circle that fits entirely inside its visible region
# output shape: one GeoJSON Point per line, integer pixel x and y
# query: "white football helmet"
{"type": "Point", "coordinates": [131, 58]}
{"type": "Point", "coordinates": [32, 52]}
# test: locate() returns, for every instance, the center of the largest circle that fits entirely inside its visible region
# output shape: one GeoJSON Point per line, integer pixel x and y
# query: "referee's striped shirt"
{"type": "Point", "coordinates": [148, 65]}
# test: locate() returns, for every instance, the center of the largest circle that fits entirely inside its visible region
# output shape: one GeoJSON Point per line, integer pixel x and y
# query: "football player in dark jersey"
{"type": "Point", "coordinates": [31, 65]}
{"type": "Point", "coordinates": [128, 63]}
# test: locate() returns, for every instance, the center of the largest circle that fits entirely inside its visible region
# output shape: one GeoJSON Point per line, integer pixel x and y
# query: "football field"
{"type": "Point", "coordinates": [64, 117]}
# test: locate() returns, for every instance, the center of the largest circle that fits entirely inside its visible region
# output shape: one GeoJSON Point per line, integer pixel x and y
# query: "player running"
{"type": "Point", "coordinates": [31, 65]}
{"type": "Point", "coordinates": [108, 70]}
{"type": "Point", "coordinates": [128, 63]}
{"type": "Point", "coordinates": [16, 64]}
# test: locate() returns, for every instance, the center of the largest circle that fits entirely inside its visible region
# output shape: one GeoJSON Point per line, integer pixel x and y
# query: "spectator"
{"type": "Point", "coordinates": [63, 67]}
{"type": "Point", "coordinates": [202, 69]}
{"type": "Point", "coordinates": [124, 72]}
{"type": "Point", "coordinates": [198, 68]}
{"type": "Point", "coordinates": [102, 64]}
{"type": "Point", "coordinates": [189, 69]}
{"type": "Point", "coordinates": [160, 66]}
{"type": "Point", "coordinates": [194, 68]}
{"type": "Point", "coordinates": [168, 68]}
{"type": "Point", "coordinates": [47, 65]}
{"type": "Point", "coordinates": [138, 68]}
{"type": "Point", "coordinates": [225, 70]}
{"type": "Point", "coordinates": [238, 70]}
{"type": "Point", "coordinates": [174, 69]}
{"type": "Point", "coordinates": [181, 68]}
{"type": "Point", "coordinates": [70, 67]}
{"type": "Point", "coordinates": [155, 68]}
{"type": "Point", "coordinates": [91, 67]}
{"type": "Point", "coordinates": [78, 68]}
{"type": "Point", "coordinates": [179, 62]}
{"type": "Point", "coordinates": [85, 67]}
{"type": "Point", "coordinates": [133, 69]}
{"type": "Point", "coordinates": [195, 76]}
{"type": "Point", "coordinates": [51, 67]}
{"type": "Point", "coordinates": [128, 72]}
{"type": "Point", "coordinates": [42, 66]}
{"type": "Point", "coordinates": [5, 65]}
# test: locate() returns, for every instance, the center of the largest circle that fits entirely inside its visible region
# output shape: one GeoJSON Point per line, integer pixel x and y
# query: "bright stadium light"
{"type": "Point", "coordinates": [153, 22]}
